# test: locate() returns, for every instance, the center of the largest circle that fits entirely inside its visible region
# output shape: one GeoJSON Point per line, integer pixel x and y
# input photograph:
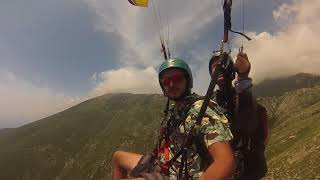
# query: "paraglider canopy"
{"type": "Point", "coordinates": [158, 23]}
{"type": "Point", "coordinates": [143, 3]}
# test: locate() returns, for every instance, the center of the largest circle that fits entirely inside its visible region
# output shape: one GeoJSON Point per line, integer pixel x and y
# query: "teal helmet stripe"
{"type": "Point", "coordinates": [177, 63]}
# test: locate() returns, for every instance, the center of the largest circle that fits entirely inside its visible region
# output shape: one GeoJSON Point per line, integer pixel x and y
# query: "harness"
{"type": "Point", "coordinates": [249, 137]}
{"type": "Point", "coordinates": [242, 145]}
{"type": "Point", "coordinates": [172, 123]}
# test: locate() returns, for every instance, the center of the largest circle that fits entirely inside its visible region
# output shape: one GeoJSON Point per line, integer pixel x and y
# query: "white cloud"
{"type": "Point", "coordinates": [129, 79]}
{"type": "Point", "coordinates": [141, 46]}
{"type": "Point", "coordinates": [136, 27]}
{"type": "Point", "coordinates": [131, 24]}
{"type": "Point", "coordinates": [22, 102]}
{"type": "Point", "coordinates": [295, 48]}
{"type": "Point", "coordinates": [284, 12]}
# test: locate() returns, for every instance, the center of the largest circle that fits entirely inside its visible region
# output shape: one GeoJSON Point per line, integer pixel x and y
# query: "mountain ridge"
{"type": "Point", "coordinates": [279, 86]}
{"type": "Point", "coordinates": [78, 143]}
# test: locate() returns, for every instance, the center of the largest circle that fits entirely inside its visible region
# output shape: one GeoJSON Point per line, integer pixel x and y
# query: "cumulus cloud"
{"type": "Point", "coordinates": [23, 102]}
{"type": "Point", "coordinates": [295, 48]}
{"type": "Point", "coordinates": [140, 50]}
{"type": "Point", "coordinates": [133, 27]}
{"type": "Point", "coordinates": [141, 46]}
{"type": "Point", "coordinates": [284, 12]}
{"type": "Point", "coordinates": [292, 49]}
{"type": "Point", "coordinates": [128, 79]}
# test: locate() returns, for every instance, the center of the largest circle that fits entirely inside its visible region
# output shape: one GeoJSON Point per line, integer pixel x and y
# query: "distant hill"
{"type": "Point", "coordinates": [278, 86]}
{"type": "Point", "coordinates": [5, 131]}
{"type": "Point", "coordinates": [78, 143]}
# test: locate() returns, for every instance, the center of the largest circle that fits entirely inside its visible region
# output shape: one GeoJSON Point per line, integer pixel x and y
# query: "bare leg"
{"type": "Point", "coordinates": [122, 162]}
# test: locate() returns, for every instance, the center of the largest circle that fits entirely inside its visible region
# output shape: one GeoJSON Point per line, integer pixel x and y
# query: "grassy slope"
{"type": "Point", "coordinates": [279, 86]}
{"type": "Point", "coordinates": [78, 143]}
{"type": "Point", "coordinates": [293, 150]}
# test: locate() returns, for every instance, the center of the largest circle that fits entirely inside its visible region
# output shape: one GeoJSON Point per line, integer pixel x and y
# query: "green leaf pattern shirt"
{"type": "Point", "coordinates": [213, 128]}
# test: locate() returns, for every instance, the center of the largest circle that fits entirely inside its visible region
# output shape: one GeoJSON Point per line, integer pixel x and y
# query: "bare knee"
{"type": "Point", "coordinates": [125, 160]}
{"type": "Point", "coordinates": [116, 158]}
{"type": "Point", "coordinates": [118, 171]}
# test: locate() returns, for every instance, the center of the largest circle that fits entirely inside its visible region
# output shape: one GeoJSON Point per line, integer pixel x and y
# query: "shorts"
{"type": "Point", "coordinates": [144, 169]}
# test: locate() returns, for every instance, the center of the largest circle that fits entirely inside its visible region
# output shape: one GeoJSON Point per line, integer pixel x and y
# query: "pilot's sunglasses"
{"type": "Point", "coordinates": [175, 78]}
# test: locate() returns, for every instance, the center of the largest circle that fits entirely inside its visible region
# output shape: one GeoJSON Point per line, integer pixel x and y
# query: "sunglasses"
{"type": "Point", "coordinates": [174, 78]}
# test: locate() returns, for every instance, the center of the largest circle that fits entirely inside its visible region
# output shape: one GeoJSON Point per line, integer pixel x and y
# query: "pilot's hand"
{"type": "Point", "coordinates": [242, 64]}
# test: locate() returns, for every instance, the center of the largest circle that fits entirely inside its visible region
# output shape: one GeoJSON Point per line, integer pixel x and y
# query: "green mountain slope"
{"type": "Point", "coordinates": [78, 143]}
{"type": "Point", "coordinates": [278, 86]}
{"type": "Point", "coordinates": [5, 131]}
{"type": "Point", "coordinates": [294, 148]}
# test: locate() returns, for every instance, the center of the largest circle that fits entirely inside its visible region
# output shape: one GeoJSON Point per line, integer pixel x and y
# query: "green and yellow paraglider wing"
{"type": "Point", "coordinates": [143, 3]}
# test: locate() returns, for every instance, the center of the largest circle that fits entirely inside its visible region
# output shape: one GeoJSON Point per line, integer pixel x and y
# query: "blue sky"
{"type": "Point", "coordinates": [54, 43]}
{"type": "Point", "coordinates": [54, 54]}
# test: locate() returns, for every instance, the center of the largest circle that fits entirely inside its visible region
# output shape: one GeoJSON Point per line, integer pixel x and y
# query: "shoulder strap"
{"type": "Point", "coordinates": [190, 101]}
{"type": "Point", "coordinates": [201, 148]}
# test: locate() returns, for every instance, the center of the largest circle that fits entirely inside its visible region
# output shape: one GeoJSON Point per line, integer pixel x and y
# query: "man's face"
{"type": "Point", "coordinates": [174, 83]}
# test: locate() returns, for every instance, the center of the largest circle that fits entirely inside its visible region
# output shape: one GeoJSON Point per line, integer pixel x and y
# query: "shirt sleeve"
{"type": "Point", "coordinates": [243, 85]}
{"type": "Point", "coordinates": [214, 126]}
